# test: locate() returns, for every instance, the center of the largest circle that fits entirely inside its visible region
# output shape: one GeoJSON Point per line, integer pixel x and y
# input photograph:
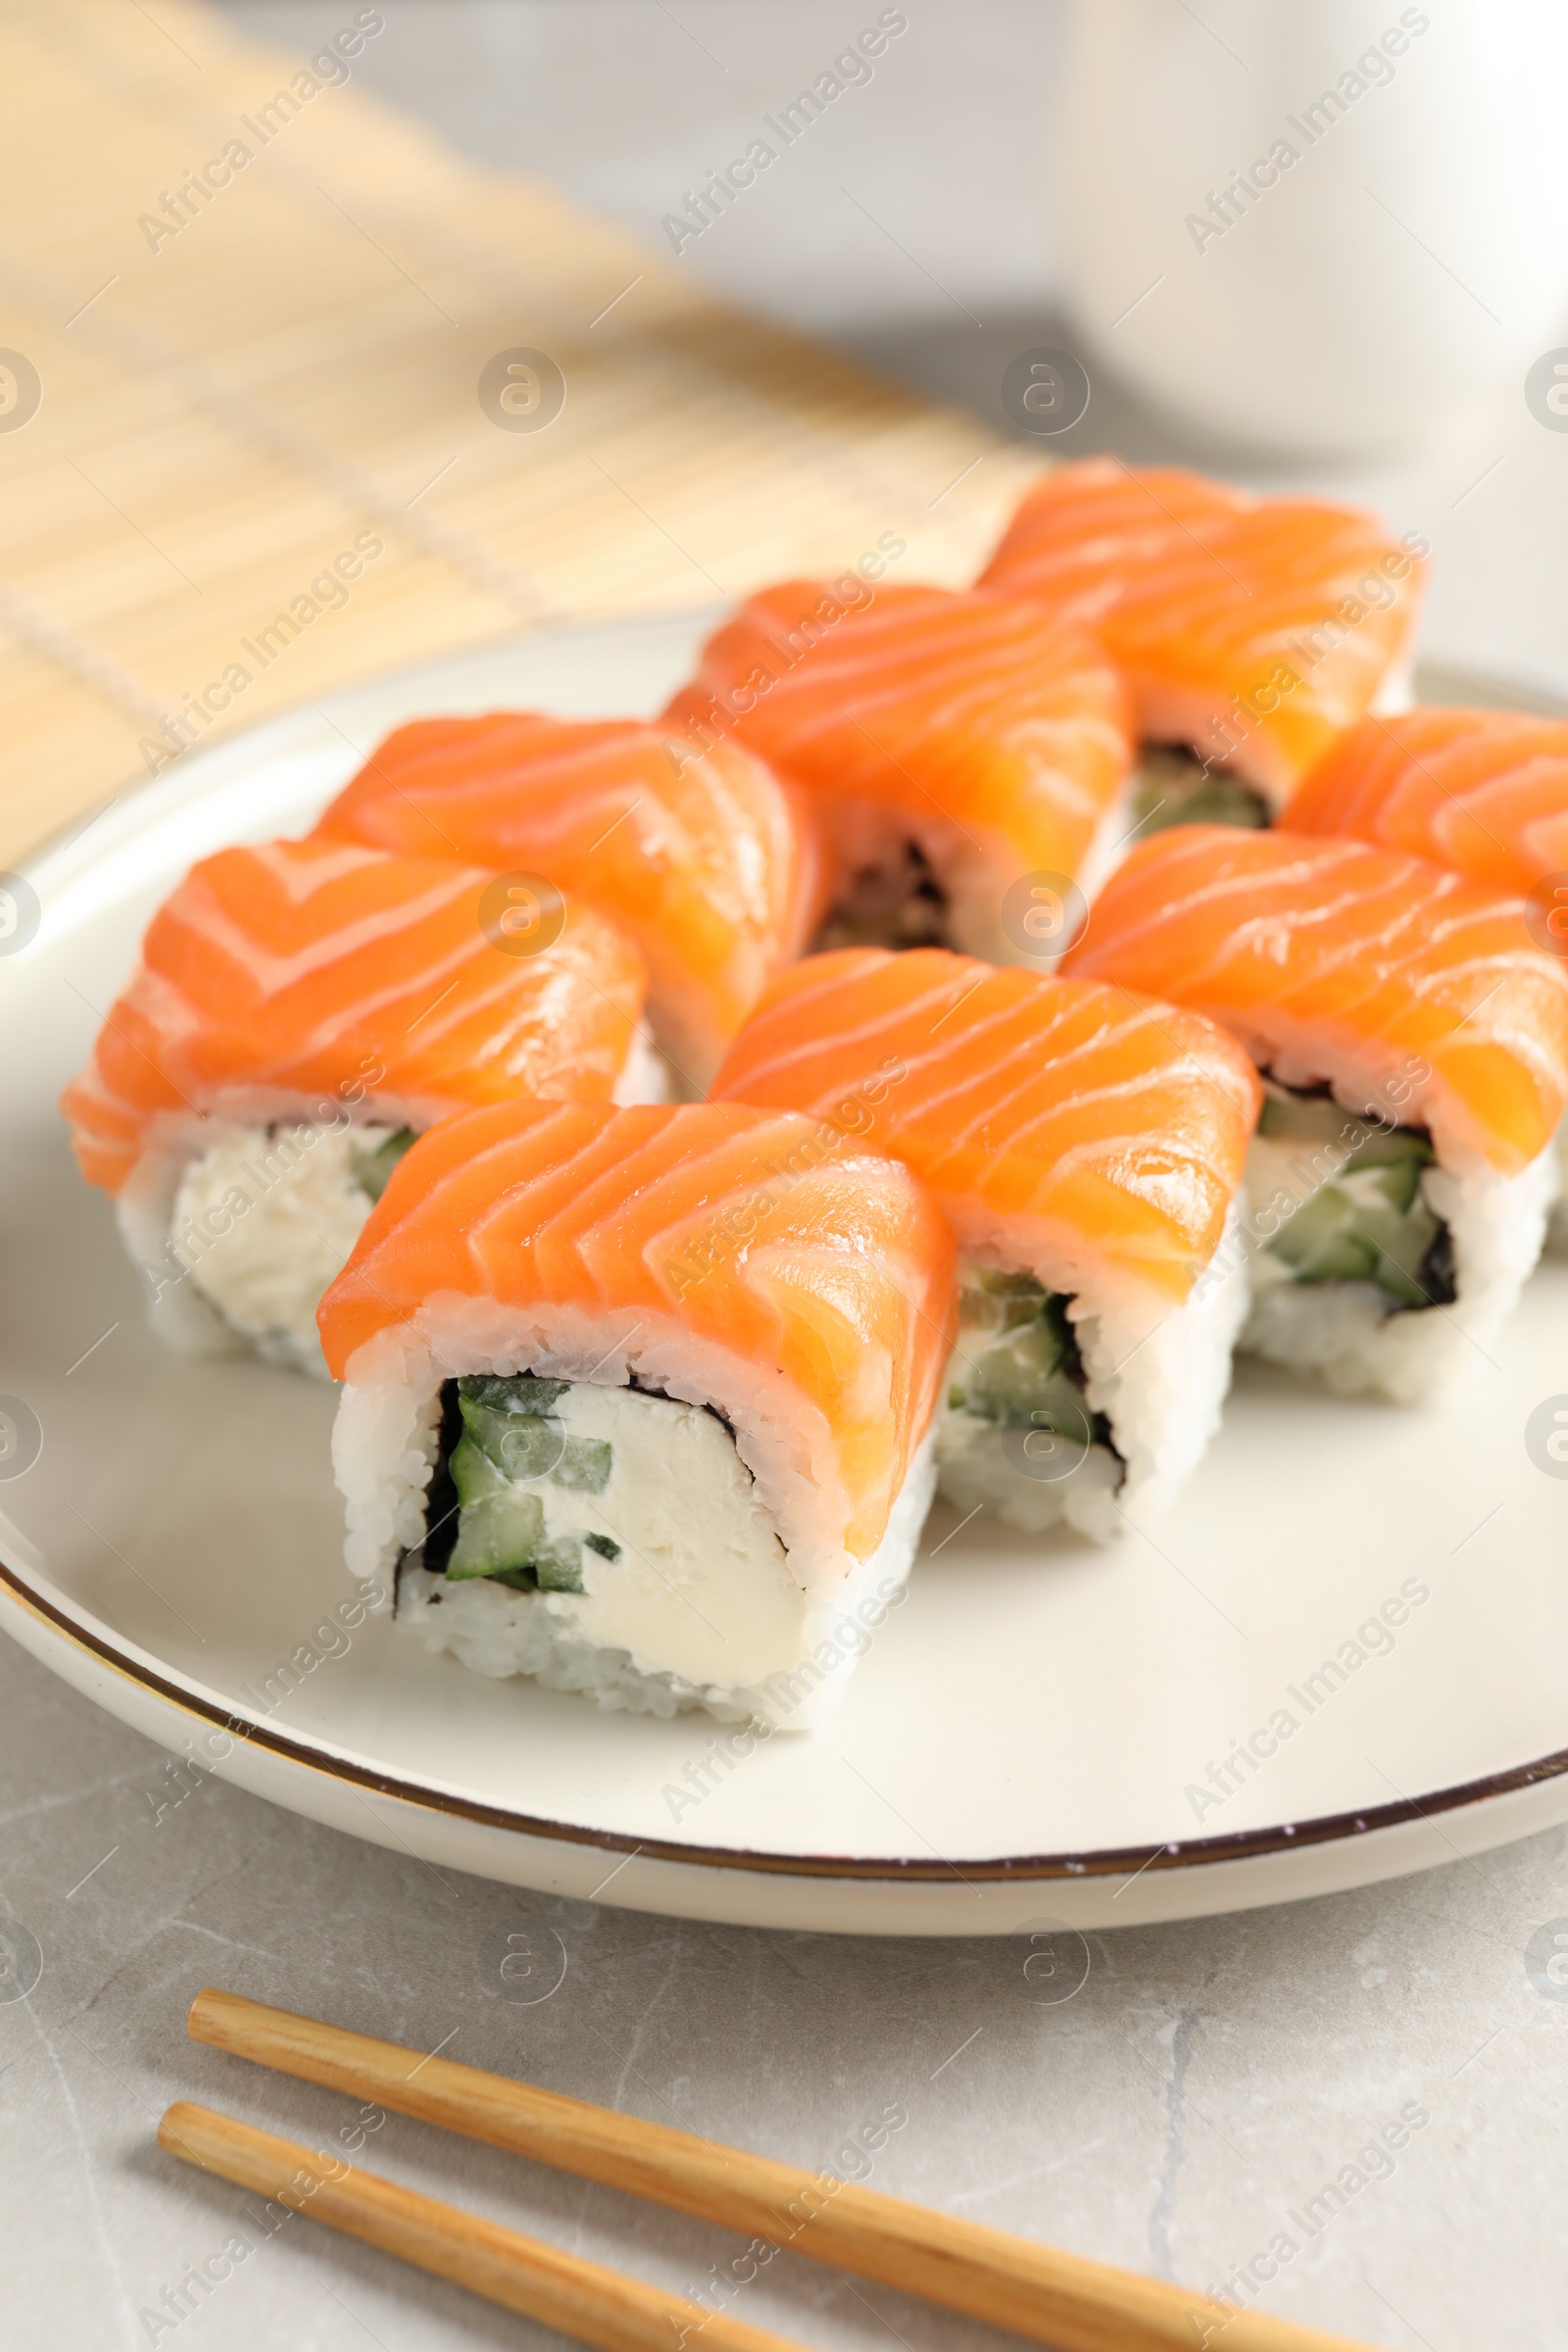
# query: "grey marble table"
{"type": "Point", "coordinates": [1211, 2097]}
{"type": "Point", "coordinates": [1210, 2104]}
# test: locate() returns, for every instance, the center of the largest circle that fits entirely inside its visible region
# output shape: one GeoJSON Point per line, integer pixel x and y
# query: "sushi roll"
{"type": "Point", "coordinates": [1414, 1046]}
{"type": "Point", "coordinates": [638, 1402]}
{"type": "Point", "coordinates": [1252, 630]}
{"type": "Point", "coordinates": [1485, 792]}
{"type": "Point", "coordinates": [707, 862]}
{"type": "Point", "coordinates": [1087, 1146]}
{"type": "Point", "coordinates": [300, 1012]}
{"type": "Point", "coordinates": [956, 747]}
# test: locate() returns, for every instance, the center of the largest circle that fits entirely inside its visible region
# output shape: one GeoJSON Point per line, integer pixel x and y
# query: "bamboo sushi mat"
{"type": "Point", "coordinates": [222, 417]}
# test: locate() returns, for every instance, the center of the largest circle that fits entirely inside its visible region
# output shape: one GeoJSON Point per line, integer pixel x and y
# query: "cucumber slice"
{"type": "Point", "coordinates": [499, 1532]}
{"type": "Point", "coordinates": [500, 1524]}
{"type": "Point", "coordinates": [1026, 1378]}
{"type": "Point", "coordinates": [511, 1392]}
{"type": "Point", "coordinates": [993, 1283]}
{"type": "Point", "coordinates": [471, 1471]}
{"type": "Point", "coordinates": [512, 1439]}
{"type": "Point", "coordinates": [520, 1446]}
{"type": "Point", "coordinates": [583, 1465]}
{"type": "Point", "coordinates": [1313, 1120]}
{"type": "Point", "coordinates": [1370, 1221]}
{"type": "Point", "coordinates": [1020, 1373]}
{"type": "Point", "coordinates": [997, 1302]}
{"type": "Point", "coordinates": [559, 1566]}
{"type": "Point", "coordinates": [511, 1422]}
{"type": "Point", "coordinates": [501, 1528]}
{"type": "Point", "coordinates": [372, 1169]}
{"type": "Point", "coordinates": [1406, 1149]}
{"type": "Point", "coordinates": [1323, 1242]}
{"type": "Point", "coordinates": [1372, 1225]}
{"type": "Point", "coordinates": [1303, 1119]}
{"type": "Point", "coordinates": [1023, 1368]}
{"type": "Point", "coordinates": [1172, 788]}
{"type": "Point", "coordinates": [533, 1446]}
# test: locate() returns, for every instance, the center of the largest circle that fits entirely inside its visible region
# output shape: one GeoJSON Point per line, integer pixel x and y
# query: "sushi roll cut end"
{"type": "Point", "coordinates": [644, 1409]}
{"type": "Point", "coordinates": [1368, 1244]}
{"type": "Point", "coordinates": [1088, 1408]}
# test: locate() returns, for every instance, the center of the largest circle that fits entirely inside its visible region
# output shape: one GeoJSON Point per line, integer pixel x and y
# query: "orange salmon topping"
{"type": "Point", "coordinates": [1485, 792]}
{"type": "Point", "coordinates": [1253, 629]}
{"type": "Point", "coordinates": [322, 969]}
{"type": "Point", "coordinates": [1109, 1129]}
{"type": "Point", "coordinates": [709, 862]}
{"type": "Point", "coordinates": [968, 707]}
{"type": "Point", "coordinates": [1343, 957]}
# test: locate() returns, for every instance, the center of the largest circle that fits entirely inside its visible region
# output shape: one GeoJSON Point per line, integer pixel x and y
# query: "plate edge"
{"type": "Point", "coordinates": [1128, 1862]}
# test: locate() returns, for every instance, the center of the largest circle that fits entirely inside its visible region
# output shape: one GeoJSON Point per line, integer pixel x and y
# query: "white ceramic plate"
{"type": "Point", "coordinates": [1031, 1739]}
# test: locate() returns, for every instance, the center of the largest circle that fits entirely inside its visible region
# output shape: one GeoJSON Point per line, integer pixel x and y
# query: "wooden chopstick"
{"type": "Point", "coordinates": [1053, 2298]}
{"type": "Point", "coordinates": [579, 2298]}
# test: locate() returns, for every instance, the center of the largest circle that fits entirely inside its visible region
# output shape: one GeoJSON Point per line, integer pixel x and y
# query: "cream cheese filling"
{"type": "Point", "coordinates": [264, 1220]}
{"type": "Point", "coordinates": [699, 1584]}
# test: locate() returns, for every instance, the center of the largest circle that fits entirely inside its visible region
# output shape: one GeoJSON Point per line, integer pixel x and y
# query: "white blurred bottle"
{"type": "Point", "coordinates": [1275, 254]}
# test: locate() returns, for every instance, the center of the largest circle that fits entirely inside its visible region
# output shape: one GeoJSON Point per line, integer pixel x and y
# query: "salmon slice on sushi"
{"type": "Point", "coordinates": [708, 861]}
{"type": "Point", "coordinates": [956, 748]}
{"type": "Point", "coordinates": [1253, 631]}
{"type": "Point", "coordinates": [300, 1012]}
{"type": "Point", "coordinates": [1485, 792]}
{"type": "Point", "coordinates": [1087, 1146]}
{"type": "Point", "coordinates": [1413, 1042]}
{"type": "Point", "coordinates": [639, 1402]}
